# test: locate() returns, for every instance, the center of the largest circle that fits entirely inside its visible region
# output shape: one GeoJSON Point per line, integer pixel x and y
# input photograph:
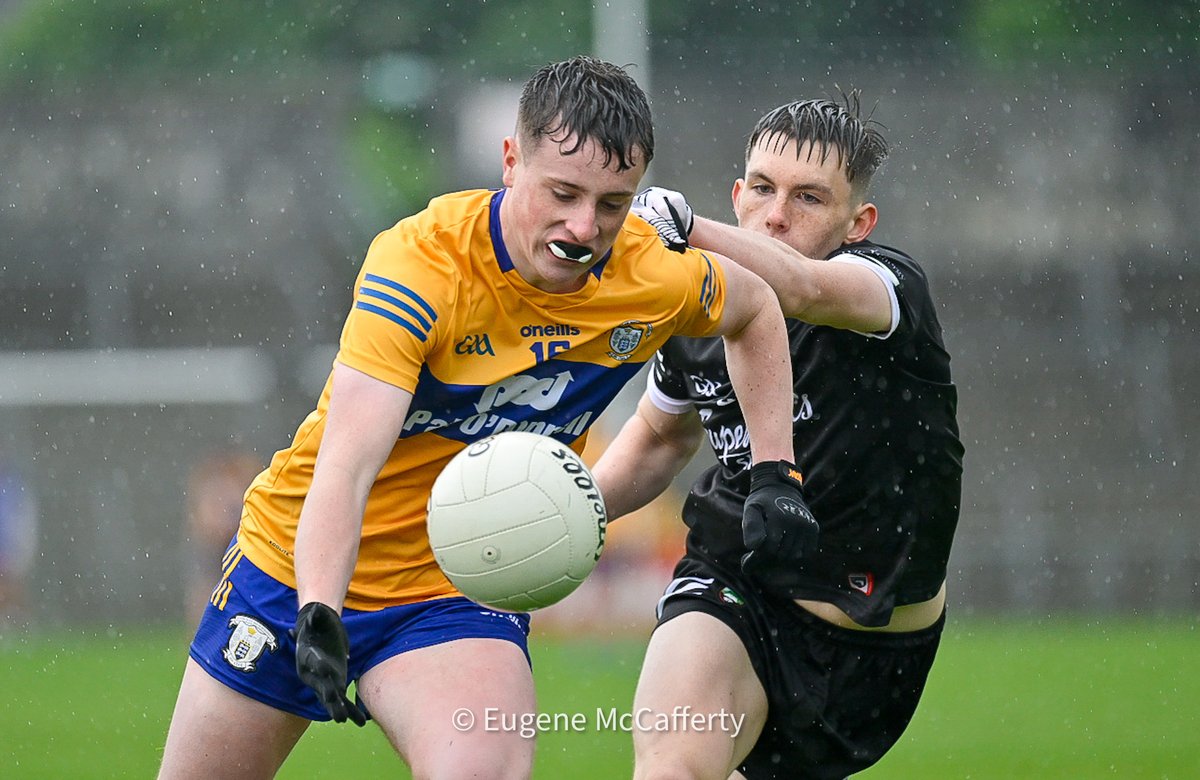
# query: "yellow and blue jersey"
{"type": "Point", "coordinates": [440, 311]}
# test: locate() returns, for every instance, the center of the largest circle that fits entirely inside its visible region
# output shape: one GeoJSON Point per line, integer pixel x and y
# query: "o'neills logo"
{"type": "Point", "coordinates": [626, 337]}
{"type": "Point", "coordinates": [552, 329]}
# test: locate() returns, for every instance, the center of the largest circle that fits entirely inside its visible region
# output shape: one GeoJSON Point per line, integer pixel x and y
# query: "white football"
{"type": "Point", "coordinates": [516, 521]}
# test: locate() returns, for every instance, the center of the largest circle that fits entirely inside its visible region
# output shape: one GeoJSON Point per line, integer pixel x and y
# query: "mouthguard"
{"type": "Point", "coordinates": [574, 252]}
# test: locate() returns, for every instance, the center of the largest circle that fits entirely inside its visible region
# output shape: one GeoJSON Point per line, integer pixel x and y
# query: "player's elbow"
{"type": "Point", "coordinates": [799, 296]}
{"type": "Point", "coordinates": [765, 298]}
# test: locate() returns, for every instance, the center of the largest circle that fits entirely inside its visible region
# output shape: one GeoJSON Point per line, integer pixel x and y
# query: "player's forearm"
{"type": "Point", "coordinates": [761, 374]}
{"type": "Point", "coordinates": [638, 466]}
{"type": "Point", "coordinates": [327, 540]}
{"type": "Point", "coordinates": [840, 295]}
{"type": "Point", "coordinates": [780, 266]}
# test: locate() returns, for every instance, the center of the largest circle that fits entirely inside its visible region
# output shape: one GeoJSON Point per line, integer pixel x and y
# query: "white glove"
{"type": "Point", "coordinates": [668, 212]}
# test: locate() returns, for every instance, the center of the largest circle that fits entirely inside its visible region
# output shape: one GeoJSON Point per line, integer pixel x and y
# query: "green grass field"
{"type": "Point", "coordinates": [1057, 699]}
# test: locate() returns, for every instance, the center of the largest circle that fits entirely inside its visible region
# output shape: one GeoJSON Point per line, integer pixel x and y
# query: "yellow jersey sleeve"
{"type": "Point", "coordinates": [400, 295]}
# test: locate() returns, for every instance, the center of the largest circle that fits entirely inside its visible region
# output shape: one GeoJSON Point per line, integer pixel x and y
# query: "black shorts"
{"type": "Point", "coordinates": [838, 698]}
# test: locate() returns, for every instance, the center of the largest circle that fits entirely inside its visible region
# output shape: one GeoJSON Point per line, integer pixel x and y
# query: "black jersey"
{"type": "Point", "coordinates": [875, 435]}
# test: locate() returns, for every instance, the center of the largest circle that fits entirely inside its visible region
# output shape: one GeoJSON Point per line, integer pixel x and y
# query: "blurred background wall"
{"type": "Point", "coordinates": [187, 190]}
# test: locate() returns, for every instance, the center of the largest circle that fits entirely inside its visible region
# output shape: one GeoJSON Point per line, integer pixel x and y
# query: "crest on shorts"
{"type": "Point", "coordinates": [730, 596]}
{"type": "Point", "coordinates": [626, 337]}
{"type": "Point", "coordinates": [247, 642]}
{"type": "Point", "coordinates": [863, 583]}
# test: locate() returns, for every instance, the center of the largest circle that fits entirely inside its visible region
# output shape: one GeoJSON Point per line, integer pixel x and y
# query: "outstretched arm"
{"type": "Point", "coordinates": [841, 295]}
{"type": "Point", "coordinates": [776, 522]}
{"type": "Point", "coordinates": [760, 369]}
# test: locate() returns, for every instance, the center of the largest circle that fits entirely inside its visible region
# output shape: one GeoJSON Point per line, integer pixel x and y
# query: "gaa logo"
{"type": "Point", "coordinates": [475, 344]}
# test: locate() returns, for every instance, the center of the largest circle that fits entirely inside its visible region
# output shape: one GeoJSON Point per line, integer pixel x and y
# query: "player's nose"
{"type": "Point", "coordinates": [777, 215]}
{"type": "Point", "coordinates": [582, 222]}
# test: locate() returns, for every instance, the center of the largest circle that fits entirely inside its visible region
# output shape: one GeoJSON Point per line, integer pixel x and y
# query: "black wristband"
{"type": "Point", "coordinates": [770, 471]}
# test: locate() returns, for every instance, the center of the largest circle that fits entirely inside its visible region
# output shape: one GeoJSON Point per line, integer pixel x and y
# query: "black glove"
{"type": "Point", "coordinates": [321, 652]}
{"type": "Point", "coordinates": [668, 212]}
{"type": "Point", "coordinates": [777, 526]}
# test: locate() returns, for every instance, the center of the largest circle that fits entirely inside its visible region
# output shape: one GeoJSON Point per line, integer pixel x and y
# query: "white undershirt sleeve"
{"type": "Point", "coordinates": [663, 401]}
{"type": "Point", "coordinates": [888, 278]}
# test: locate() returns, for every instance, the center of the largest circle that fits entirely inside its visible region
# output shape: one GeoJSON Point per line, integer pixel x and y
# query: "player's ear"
{"type": "Point", "coordinates": [736, 195]}
{"type": "Point", "coordinates": [511, 156]}
{"type": "Point", "coordinates": [863, 222]}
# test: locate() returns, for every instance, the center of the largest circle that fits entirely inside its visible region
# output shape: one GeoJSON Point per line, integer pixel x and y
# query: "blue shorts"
{"type": "Point", "coordinates": [243, 637]}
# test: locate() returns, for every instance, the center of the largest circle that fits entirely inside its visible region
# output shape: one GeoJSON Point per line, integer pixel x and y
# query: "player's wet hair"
{"type": "Point", "coordinates": [828, 126]}
{"type": "Point", "coordinates": [586, 98]}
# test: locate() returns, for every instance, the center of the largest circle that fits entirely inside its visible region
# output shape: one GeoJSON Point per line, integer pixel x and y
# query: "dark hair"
{"type": "Point", "coordinates": [590, 99]}
{"type": "Point", "coordinates": [827, 126]}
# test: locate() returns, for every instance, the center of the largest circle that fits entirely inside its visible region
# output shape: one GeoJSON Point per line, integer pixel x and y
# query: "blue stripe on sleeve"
{"type": "Point", "coordinates": [709, 288]}
{"type": "Point", "coordinates": [399, 304]}
{"type": "Point", "coordinates": [401, 288]}
{"type": "Point", "coordinates": [396, 318]}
